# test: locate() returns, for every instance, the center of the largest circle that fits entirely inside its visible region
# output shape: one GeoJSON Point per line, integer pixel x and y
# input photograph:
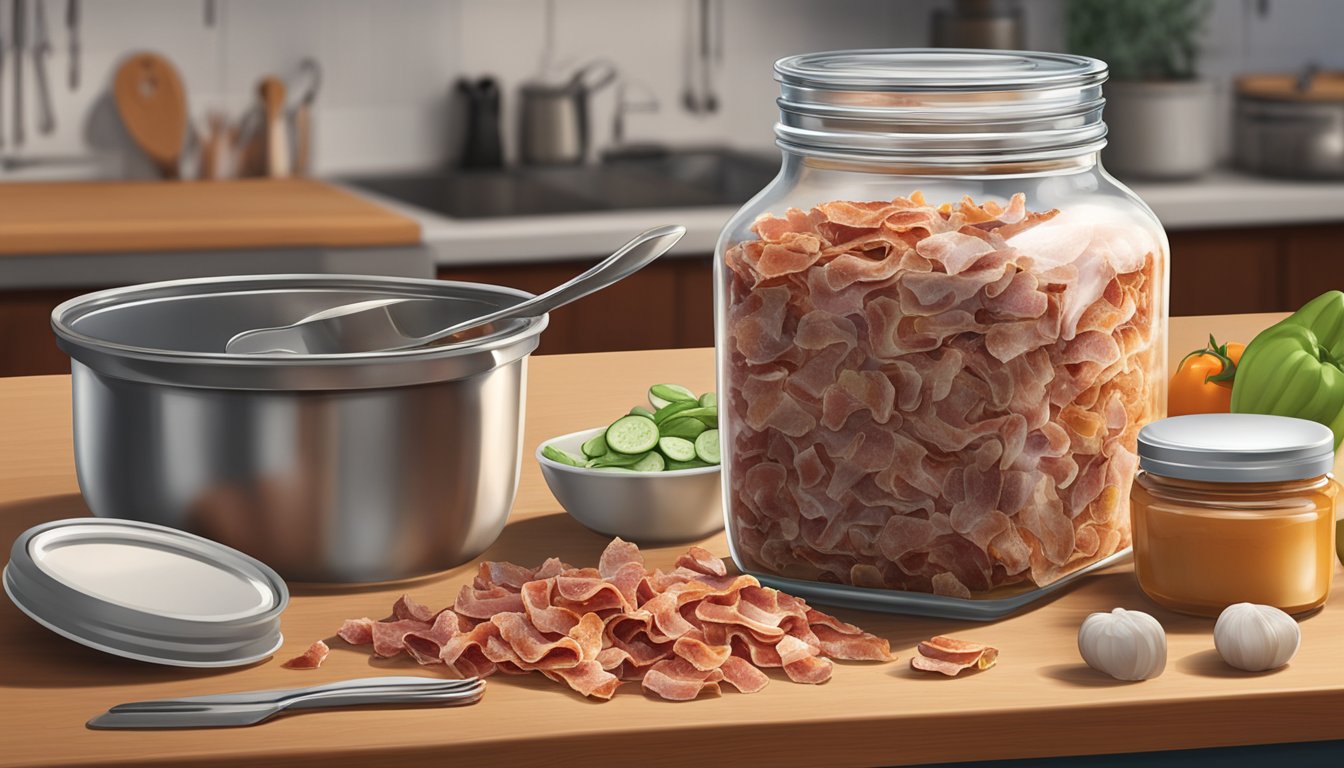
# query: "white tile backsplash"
{"type": "Point", "coordinates": [389, 65]}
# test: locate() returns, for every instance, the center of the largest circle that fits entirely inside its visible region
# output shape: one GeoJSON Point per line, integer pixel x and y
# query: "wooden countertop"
{"type": "Point", "coordinates": [1040, 700]}
{"type": "Point", "coordinates": [96, 217]}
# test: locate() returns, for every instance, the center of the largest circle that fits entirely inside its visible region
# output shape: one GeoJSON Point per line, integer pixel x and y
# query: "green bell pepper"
{"type": "Point", "coordinates": [1296, 366]}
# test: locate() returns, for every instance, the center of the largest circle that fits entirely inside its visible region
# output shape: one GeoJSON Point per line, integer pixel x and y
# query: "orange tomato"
{"type": "Point", "coordinates": [1201, 384]}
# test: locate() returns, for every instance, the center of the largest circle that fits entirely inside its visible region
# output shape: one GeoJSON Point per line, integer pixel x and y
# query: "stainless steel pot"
{"type": "Point", "coordinates": [553, 122]}
{"type": "Point", "coordinates": [338, 468]}
{"type": "Point", "coordinates": [1291, 126]}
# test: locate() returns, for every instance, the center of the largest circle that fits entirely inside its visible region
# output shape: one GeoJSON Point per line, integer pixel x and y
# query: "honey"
{"type": "Point", "coordinates": [1232, 508]}
{"type": "Point", "coordinates": [1200, 547]}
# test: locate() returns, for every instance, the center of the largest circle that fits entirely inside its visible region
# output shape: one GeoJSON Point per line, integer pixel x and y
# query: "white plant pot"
{"type": "Point", "coordinates": [1159, 130]}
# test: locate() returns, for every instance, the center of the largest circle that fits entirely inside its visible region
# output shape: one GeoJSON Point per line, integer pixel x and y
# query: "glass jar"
{"type": "Point", "coordinates": [1233, 508]}
{"type": "Point", "coordinates": [939, 329]}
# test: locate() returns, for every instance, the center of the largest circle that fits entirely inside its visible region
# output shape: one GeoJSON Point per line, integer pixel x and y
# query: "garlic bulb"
{"type": "Point", "coordinates": [1256, 637]}
{"type": "Point", "coordinates": [1127, 645]}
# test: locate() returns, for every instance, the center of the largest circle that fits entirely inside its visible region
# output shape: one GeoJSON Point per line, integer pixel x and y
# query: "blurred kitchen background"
{"type": "Point", "coordinates": [514, 141]}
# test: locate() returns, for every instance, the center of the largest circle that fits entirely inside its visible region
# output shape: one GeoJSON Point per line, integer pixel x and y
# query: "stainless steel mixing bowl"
{"type": "Point", "coordinates": [343, 468]}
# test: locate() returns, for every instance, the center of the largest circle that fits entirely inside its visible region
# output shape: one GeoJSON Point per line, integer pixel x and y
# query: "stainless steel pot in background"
{"type": "Point", "coordinates": [553, 126]}
{"type": "Point", "coordinates": [328, 468]}
{"type": "Point", "coordinates": [1291, 125]}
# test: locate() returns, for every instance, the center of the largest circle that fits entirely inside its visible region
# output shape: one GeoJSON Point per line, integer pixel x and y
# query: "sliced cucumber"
{"type": "Point", "coordinates": [684, 428]}
{"type": "Point", "coordinates": [662, 394]}
{"type": "Point", "coordinates": [614, 459]}
{"type": "Point", "coordinates": [559, 456]}
{"type": "Point", "coordinates": [595, 447]}
{"type": "Point", "coordinates": [709, 415]}
{"type": "Point", "coordinates": [632, 435]}
{"type": "Point", "coordinates": [677, 448]}
{"type": "Point", "coordinates": [672, 409]}
{"type": "Point", "coordinates": [652, 462]}
{"type": "Point", "coordinates": [707, 446]}
{"type": "Point", "coordinates": [640, 410]}
{"type": "Point", "coordinates": [672, 466]}
{"type": "Point", "coordinates": [708, 400]}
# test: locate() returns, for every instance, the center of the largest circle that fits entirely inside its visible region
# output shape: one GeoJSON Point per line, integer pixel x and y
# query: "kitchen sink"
{"type": "Point", "coordinates": [673, 179]}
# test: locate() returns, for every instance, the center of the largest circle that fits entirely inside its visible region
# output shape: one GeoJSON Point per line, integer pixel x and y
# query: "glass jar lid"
{"type": "Point", "coordinates": [1236, 448]}
{"type": "Point", "coordinates": [941, 105]}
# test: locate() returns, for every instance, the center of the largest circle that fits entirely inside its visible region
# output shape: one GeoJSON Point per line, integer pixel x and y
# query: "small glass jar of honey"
{"type": "Point", "coordinates": [1231, 508]}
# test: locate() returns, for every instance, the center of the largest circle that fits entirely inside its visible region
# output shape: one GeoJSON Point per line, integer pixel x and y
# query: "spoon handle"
{"type": "Point", "coordinates": [626, 261]}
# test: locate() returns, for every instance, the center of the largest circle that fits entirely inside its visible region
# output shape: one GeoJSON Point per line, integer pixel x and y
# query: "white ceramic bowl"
{"type": "Point", "coordinates": [643, 507]}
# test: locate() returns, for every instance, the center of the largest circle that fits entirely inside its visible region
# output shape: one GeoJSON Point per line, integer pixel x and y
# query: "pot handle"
{"type": "Point", "coordinates": [593, 76]}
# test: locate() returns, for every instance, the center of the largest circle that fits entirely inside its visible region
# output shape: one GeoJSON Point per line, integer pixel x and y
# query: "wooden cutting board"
{"type": "Point", "coordinates": [98, 217]}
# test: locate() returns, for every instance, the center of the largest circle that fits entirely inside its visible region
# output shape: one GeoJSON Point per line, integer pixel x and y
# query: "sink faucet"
{"type": "Point", "coordinates": [643, 101]}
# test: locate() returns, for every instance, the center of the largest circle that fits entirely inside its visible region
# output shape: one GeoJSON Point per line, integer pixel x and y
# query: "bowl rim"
{"type": "Point", "coordinates": [591, 432]}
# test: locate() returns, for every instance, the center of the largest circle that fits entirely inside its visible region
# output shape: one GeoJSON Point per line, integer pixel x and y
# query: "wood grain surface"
{"type": "Point", "coordinates": [98, 217]}
{"type": "Point", "coordinates": [1040, 700]}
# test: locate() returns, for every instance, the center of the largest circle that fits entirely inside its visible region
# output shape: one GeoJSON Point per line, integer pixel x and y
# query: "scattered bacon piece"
{"type": "Point", "coordinates": [309, 659]}
{"type": "Point", "coordinates": [678, 633]}
{"type": "Point", "coordinates": [950, 656]}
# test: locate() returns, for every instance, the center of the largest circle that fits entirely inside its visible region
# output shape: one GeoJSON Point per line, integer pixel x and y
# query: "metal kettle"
{"type": "Point", "coordinates": [553, 117]}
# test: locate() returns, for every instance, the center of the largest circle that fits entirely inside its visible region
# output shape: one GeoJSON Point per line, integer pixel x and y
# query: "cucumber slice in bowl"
{"type": "Point", "coordinates": [559, 456]}
{"type": "Point", "coordinates": [677, 448]}
{"type": "Point", "coordinates": [595, 447]}
{"type": "Point", "coordinates": [632, 435]}
{"type": "Point", "coordinates": [672, 409]}
{"type": "Point", "coordinates": [652, 462]}
{"type": "Point", "coordinates": [640, 410]}
{"type": "Point", "coordinates": [661, 395]}
{"type": "Point", "coordinates": [688, 429]}
{"type": "Point", "coordinates": [615, 459]}
{"type": "Point", "coordinates": [708, 400]}
{"type": "Point", "coordinates": [707, 446]}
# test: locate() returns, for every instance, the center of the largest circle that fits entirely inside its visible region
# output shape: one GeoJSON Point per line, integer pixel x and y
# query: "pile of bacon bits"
{"type": "Point", "coordinates": [679, 633]}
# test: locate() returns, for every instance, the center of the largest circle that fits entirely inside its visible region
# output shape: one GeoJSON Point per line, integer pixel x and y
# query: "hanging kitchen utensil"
{"type": "Point", "coordinates": [483, 146]}
{"type": "Point", "coordinates": [2, 78]}
{"type": "Point", "coordinates": [302, 89]}
{"type": "Point", "coordinates": [554, 121]}
{"type": "Point", "coordinates": [372, 326]}
{"type": "Point", "coordinates": [72, 36]}
{"type": "Point", "coordinates": [20, 35]}
{"type": "Point", "coordinates": [46, 116]}
{"type": "Point", "coordinates": [153, 106]}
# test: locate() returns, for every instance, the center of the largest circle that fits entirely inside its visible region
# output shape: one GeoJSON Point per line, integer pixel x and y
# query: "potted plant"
{"type": "Point", "coordinates": [1160, 114]}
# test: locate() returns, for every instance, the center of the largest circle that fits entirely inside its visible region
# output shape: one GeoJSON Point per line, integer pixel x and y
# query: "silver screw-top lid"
{"type": "Point", "coordinates": [1236, 448]}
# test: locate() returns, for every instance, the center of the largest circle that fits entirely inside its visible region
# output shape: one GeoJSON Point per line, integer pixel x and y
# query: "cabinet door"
{"type": "Point", "coordinates": [695, 300]}
{"type": "Point", "coordinates": [1224, 272]}
{"type": "Point", "coordinates": [27, 344]}
{"type": "Point", "coordinates": [639, 312]}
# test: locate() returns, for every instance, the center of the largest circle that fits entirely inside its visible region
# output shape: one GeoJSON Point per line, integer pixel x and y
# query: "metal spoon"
{"type": "Point", "coordinates": [371, 326]}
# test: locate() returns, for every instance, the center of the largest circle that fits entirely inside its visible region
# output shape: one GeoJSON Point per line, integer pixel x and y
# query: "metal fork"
{"type": "Point", "coordinates": [250, 708]}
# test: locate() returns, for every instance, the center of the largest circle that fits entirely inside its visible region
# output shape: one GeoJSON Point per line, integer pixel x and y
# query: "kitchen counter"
{"type": "Point", "coordinates": [114, 233]}
{"type": "Point", "coordinates": [1224, 198]}
{"type": "Point", "coordinates": [1040, 700]}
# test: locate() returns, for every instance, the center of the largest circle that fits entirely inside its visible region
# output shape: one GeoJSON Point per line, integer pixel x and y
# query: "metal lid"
{"type": "Point", "coordinates": [942, 106]}
{"type": "Point", "coordinates": [1236, 448]}
{"type": "Point", "coordinates": [174, 332]}
{"type": "Point", "coordinates": [147, 592]}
